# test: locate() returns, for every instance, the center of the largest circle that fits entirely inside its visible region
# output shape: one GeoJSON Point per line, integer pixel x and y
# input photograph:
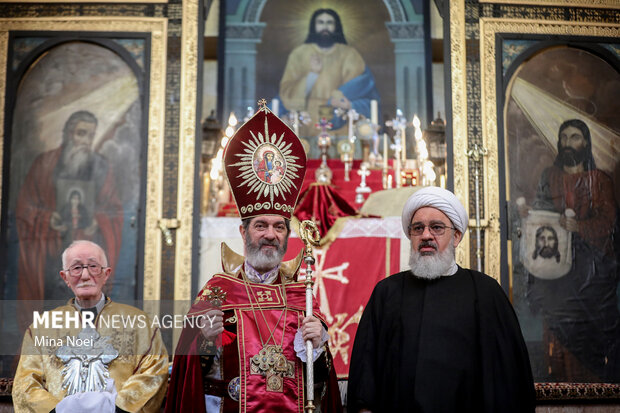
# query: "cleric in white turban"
{"type": "Point", "coordinates": [439, 337]}
{"type": "Point", "coordinates": [436, 197]}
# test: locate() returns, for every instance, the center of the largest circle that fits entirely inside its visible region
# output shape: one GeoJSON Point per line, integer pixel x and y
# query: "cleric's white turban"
{"type": "Point", "coordinates": [442, 199]}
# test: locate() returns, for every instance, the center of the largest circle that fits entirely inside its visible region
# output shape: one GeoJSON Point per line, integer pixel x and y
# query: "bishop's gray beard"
{"type": "Point", "coordinates": [264, 260]}
{"type": "Point", "coordinates": [432, 266]}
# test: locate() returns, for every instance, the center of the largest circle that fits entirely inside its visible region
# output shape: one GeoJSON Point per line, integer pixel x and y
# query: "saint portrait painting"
{"type": "Point", "coordinates": [75, 161]}
{"type": "Point", "coordinates": [563, 144]}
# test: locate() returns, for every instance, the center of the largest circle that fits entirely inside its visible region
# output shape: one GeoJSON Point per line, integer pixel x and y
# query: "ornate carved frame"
{"type": "Point", "coordinates": [86, 1]}
{"type": "Point", "coordinates": [491, 96]}
{"type": "Point", "coordinates": [458, 81]}
{"type": "Point", "coordinates": [573, 3]}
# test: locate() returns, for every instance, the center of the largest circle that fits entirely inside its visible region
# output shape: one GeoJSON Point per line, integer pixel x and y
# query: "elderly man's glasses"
{"type": "Point", "coordinates": [435, 229]}
{"type": "Point", "coordinates": [93, 269]}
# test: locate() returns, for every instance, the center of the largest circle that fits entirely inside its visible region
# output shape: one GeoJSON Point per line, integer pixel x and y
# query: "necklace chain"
{"type": "Point", "coordinates": [283, 313]}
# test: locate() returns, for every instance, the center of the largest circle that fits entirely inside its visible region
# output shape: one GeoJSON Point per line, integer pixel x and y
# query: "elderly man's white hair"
{"type": "Point", "coordinates": [80, 242]}
{"type": "Point", "coordinates": [443, 200]}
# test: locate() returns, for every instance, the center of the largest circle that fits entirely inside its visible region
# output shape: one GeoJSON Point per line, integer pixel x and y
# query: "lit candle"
{"type": "Point", "coordinates": [374, 112]}
{"type": "Point", "coordinates": [385, 152]}
{"type": "Point", "coordinates": [403, 139]}
{"type": "Point", "coordinates": [275, 105]}
{"type": "Point", "coordinates": [295, 122]}
{"type": "Point", "coordinates": [350, 118]}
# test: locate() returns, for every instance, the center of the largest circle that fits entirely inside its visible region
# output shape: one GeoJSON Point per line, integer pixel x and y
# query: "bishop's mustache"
{"type": "Point", "coordinates": [274, 243]}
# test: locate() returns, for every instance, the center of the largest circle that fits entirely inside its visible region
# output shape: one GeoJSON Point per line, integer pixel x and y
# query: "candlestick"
{"type": "Point", "coordinates": [399, 124]}
{"type": "Point", "coordinates": [275, 106]}
{"type": "Point", "coordinates": [385, 151]}
{"type": "Point", "coordinates": [295, 122]}
{"type": "Point", "coordinates": [403, 140]}
{"type": "Point", "coordinates": [362, 189]}
{"type": "Point", "coordinates": [374, 112]}
{"type": "Point", "coordinates": [352, 116]}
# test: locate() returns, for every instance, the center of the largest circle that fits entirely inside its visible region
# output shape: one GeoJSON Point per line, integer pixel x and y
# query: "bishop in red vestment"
{"type": "Point", "coordinates": [246, 353]}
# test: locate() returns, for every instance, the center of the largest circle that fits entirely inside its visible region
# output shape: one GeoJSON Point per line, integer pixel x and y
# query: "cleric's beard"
{"type": "Point", "coordinates": [432, 266]}
{"type": "Point", "coordinates": [75, 160]}
{"type": "Point", "coordinates": [264, 260]}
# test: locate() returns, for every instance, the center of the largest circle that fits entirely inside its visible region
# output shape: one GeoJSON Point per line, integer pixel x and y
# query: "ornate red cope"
{"type": "Point", "coordinates": [255, 393]}
{"type": "Point", "coordinates": [265, 165]}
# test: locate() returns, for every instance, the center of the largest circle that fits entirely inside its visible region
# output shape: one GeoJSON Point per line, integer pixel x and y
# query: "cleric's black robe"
{"type": "Point", "coordinates": [447, 345]}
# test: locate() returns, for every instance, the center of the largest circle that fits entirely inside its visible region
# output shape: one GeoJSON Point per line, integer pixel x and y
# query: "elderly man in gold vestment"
{"type": "Point", "coordinates": [126, 365]}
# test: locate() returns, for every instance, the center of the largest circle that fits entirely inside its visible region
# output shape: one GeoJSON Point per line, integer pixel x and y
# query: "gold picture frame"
{"type": "Point", "coordinates": [157, 30]}
{"type": "Point", "coordinates": [603, 4]}
{"type": "Point", "coordinates": [491, 95]}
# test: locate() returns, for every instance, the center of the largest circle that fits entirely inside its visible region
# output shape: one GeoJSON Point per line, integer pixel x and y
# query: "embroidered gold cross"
{"type": "Point", "coordinates": [263, 296]}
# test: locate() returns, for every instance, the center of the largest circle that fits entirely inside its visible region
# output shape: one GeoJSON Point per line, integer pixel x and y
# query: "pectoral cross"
{"type": "Point", "coordinates": [86, 365]}
{"type": "Point", "coordinates": [271, 363]}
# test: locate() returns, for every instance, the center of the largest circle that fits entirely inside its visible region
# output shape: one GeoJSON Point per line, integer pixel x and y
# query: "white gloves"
{"type": "Point", "coordinates": [90, 402]}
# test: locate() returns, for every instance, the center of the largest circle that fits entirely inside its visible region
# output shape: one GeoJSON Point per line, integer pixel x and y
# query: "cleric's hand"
{"type": "Point", "coordinates": [90, 402]}
{"type": "Point", "coordinates": [312, 329]}
{"type": "Point", "coordinates": [213, 324]}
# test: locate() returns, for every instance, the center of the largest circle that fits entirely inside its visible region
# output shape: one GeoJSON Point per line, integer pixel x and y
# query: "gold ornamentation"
{"type": "Point", "coordinates": [4, 47]}
{"type": "Point", "coordinates": [215, 295]}
{"type": "Point", "coordinates": [611, 4]}
{"type": "Point", "coordinates": [187, 150]}
{"type": "Point", "coordinates": [339, 339]}
{"type": "Point", "coordinates": [85, 1]}
{"type": "Point", "coordinates": [251, 180]}
{"type": "Point", "coordinates": [271, 363]}
{"type": "Point", "coordinates": [263, 296]}
{"type": "Point", "coordinates": [270, 360]}
{"type": "Point", "coordinates": [458, 71]}
{"type": "Point", "coordinates": [489, 27]}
